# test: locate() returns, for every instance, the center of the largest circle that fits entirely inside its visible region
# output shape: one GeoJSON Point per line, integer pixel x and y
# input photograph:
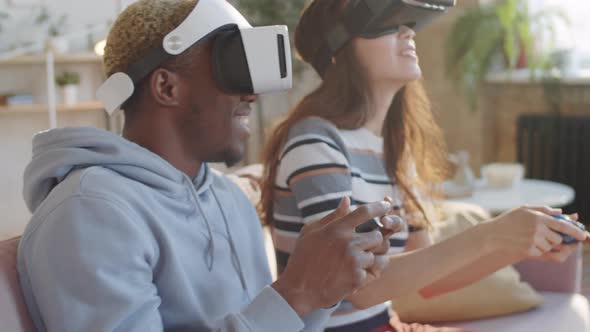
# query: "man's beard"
{"type": "Point", "coordinates": [231, 157]}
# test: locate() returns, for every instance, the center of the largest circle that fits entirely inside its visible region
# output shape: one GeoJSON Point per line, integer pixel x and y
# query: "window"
{"type": "Point", "coordinates": [577, 36]}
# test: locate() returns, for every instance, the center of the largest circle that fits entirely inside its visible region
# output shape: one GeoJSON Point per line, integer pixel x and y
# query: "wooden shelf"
{"type": "Point", "coordinates": [523, 76]}
{"type": "Point", "coordinates": [70, 58]}
{"type": "Point", "coordinates": [43, 108]}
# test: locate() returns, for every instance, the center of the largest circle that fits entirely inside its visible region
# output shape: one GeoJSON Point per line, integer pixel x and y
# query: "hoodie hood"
{"type": "Point", "coordinates": [58, 152]}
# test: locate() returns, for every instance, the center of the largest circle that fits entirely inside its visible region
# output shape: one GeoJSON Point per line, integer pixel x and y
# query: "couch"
{"type": "Point", "coordinates": [14, 316]}
{"type": "Point", "coordinates": [564, 308]}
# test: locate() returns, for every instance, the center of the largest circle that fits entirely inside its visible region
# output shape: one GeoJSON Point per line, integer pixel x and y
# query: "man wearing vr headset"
{"type": "Point", "coordinates": [135, 233]}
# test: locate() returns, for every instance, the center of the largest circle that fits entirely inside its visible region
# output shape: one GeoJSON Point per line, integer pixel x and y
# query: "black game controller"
{"type": "Point", "coordinates": [369, 226]}
{"type": "Point", "coordinates": [375, 224]}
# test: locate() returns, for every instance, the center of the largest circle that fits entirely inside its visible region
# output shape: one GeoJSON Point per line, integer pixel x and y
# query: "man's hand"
{"type": "Point", "coordinates": [331, 260]}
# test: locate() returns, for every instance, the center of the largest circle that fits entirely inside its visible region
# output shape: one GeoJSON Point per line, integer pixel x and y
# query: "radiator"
{"type": "Point", "coordinates": [557, 148]}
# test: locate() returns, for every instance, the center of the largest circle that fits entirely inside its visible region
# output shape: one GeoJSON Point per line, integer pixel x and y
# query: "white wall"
{"type": "Point", "coordinates": [575, 36]}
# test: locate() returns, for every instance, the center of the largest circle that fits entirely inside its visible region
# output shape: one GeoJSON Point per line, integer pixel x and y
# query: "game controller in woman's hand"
{"type": "Point", "coordinates": [566, 238]}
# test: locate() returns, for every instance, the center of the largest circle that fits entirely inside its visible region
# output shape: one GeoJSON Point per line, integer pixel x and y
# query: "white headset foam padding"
{"type": "Point", "coordinates": [115, 91]}
{"type": "Point", "coordinates": [262, 53]}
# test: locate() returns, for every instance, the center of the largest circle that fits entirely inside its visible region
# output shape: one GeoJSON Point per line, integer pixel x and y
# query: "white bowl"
{"type": "Point", "coordinates": [502, 175]}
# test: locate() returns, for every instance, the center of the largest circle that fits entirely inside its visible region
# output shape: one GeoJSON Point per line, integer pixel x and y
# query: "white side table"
{"type": "Point", "coordinates": [527, 192]}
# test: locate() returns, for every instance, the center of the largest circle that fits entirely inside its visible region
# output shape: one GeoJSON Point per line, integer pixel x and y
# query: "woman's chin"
{"type": "Point", "coordinates": [414, 76]}
{"type": "Point", "coordinates": [407, 79]}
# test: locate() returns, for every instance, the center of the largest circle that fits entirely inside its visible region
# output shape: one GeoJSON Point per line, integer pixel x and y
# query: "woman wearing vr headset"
{"type": "Point", "coordinates": [367, 132]}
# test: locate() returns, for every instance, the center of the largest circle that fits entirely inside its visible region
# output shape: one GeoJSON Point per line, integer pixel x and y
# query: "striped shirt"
{"type": "Point", "coordinates": [319, 165]}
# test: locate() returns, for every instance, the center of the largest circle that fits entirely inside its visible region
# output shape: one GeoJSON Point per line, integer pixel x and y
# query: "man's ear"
{"type": "Point", "coordinates": [165, 87]}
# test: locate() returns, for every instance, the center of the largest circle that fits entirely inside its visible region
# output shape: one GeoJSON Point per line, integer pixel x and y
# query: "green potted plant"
{"type": "Point", "coordinates": [56, 41]}
{"type": "Point", "coordinates": [503, 32]}
{"type": "Point", "coordinates": [68, 86]}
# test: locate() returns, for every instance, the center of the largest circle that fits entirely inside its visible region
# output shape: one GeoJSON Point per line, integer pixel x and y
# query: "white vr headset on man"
{"type": "Point", "coordinates": [245, 59]}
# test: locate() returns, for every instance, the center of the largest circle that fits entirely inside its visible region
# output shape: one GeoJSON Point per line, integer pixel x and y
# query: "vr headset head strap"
{"type": "Point", "coordinates": [140, 69]}
{"type": "Point", "coordinates": [355, 18]}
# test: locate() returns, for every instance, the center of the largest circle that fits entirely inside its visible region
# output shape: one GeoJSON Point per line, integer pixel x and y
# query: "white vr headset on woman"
{"type": "Point", "coordinates": [245, 59]}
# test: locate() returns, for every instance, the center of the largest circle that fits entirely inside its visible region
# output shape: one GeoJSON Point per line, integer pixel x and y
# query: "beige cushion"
{"type": "Point", "coordinates": [246, 178]}
{"type": "Point", "coordinates": [249, 186]}
{"type": "Point", "coordinates": [499, 294]}
{"type": "Point", "coordinates": [13, 312]}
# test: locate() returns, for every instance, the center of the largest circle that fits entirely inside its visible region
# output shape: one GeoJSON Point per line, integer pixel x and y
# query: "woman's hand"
{"type": "Point", "coordinates": [392, 223]}
{"type": "Point", "coordinates": [533, 232]}
{"type": "Point", "coordinates": [561, 252]}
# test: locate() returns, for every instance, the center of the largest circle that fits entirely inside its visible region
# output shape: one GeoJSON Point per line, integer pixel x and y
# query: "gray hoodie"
{"type": "Point", "coordinates": [120, 240]}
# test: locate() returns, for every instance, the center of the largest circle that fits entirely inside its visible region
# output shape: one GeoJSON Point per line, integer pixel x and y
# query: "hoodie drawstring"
{"type": "Point", "coordinates": [209, 253]}
{"type": "Point", "coordinates": [235, 257]}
